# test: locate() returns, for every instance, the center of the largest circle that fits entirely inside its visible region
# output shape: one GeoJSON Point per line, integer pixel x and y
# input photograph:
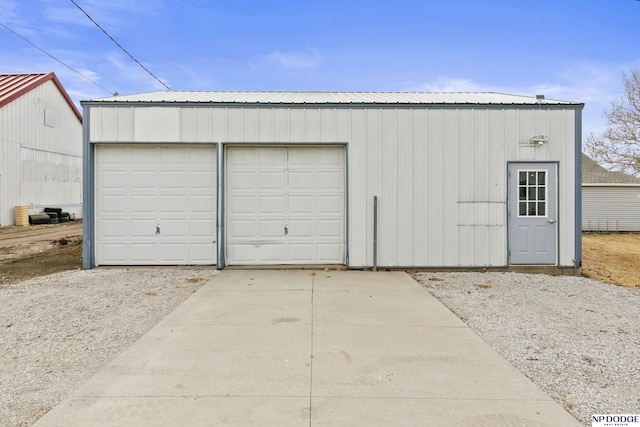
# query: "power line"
{"type": "Point", "coordinates": [119, 45]}
{"type": "Point", "coordinates": [57, 60]}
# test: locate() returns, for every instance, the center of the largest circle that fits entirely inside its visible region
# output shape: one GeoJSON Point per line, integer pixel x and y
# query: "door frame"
{"type": "Point", "coordinates": [554, 216]}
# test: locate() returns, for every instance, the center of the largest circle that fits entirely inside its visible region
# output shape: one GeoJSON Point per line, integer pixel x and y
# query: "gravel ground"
{"type": "Point", "coordinates": [575, 338]}
{"type": "Point", "coordinates": [58, 330]}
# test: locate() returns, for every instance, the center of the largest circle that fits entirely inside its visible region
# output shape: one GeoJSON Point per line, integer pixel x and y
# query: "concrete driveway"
{"type": "Point", "coordinates": [309, 348]}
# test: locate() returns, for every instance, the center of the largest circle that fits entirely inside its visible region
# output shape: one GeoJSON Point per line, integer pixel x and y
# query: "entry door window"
{"type": "Point", "coordinates": [532, 193]}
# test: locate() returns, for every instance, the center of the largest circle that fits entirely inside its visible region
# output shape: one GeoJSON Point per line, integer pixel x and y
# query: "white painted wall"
{"type": "Point", "coordinates": [40, 164]}
{"type": "Point", "coordinates": [440, 174]}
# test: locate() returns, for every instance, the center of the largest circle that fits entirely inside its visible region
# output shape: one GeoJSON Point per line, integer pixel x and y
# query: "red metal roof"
{"type": "Point", "coordinates": [13, 86]}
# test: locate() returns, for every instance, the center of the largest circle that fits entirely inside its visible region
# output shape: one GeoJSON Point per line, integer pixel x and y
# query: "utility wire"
{"type": "Point", "coordinates": [119, 45]}
{"type": "Point", "coordinates": [57, 60]}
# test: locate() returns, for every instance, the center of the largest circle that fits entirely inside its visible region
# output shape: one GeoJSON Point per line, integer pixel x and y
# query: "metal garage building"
{"type": "Point", "coordinates": [278, 178]}
{"type": "Point", "coordinates": [40, 146]}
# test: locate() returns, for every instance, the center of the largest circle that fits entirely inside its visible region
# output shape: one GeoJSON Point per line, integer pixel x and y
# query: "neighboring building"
{"type": "Point", "coordinates": [255, 178]}
{"type": "Point", "coordinates": [40, 146]}
{"type": "Point", "coordinates": [610, 200]}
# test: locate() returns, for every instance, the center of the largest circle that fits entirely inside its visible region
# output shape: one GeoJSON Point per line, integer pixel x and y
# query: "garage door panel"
{"type": "Point", "coordinates": [114, 158]}
{"type": "Point", "coordinates": [142, 180]}
{"type": "Point", "coordinates": [140, 156]}
{"type": "Point", "coordinates": [203, 156]}
{"type": "Point", "coordinates": [330, 180]}
{"type": "Point", "coordinates": [301, 205]}
{"type": "Point", "coordinates": [116, 251]}
{"type": "Point", "coordinates": [145, 204]}
{"type": "Point", "coordinates": [301, 252]}
{"type": "Point", "coordinates": [201, 251]}
{"type": "Point", "coordinates": [201, 179]}
{"type": "Point", "coordinates": [202, 229]}
{"type": "Point", "coordinates": [142, 253]}
{"type": "Point", "coordinates": [174, 204]}
{"type": "Point", "coordinates": [115, 228]}
{"type": "Point", "coordinates": [271, 253]}
{"type": "Point", "coordinates": [243, 229]}
{"type": "Point", "coordinates": [201, 204]}
{"type": "Point", "coordinates": [271, 204]}
{"type": "Point", "coordinates": [328, 159]}
{"type": "Point", "coordinates": [301, 228]}
{"type": "Point", "coordinates": [330, 205]}
{"type": "Point", "coordinates": [287, 205]}
{"type": "Point", "coordinates": [173, 179]}
{"type": "Point", "coordinates": [329, 253]}
{"type": "Point", "coordinates": [173, 228]}
{"type": "Point", "coordinates": [172, 156]}
{"type": "Point", "coordinates": [243, 253]}
{"type": "Point", "coordinates": [114, 179]}
{"type": "Point", "coordinates": [271, 180]}
{"type": "Point", "coordinates": [301, 180]}
{"type": "Point", "coordinates": [239, 205]}
{"type": "Point", "coordinates": [330, 228]}
{"type": "Point", "coordinates": [270, 228]}
{"type": "Point", "coordinates": [242, 181]}
{"type": "Point", "coordinates": [173, 252]}
{"type": "Point", "coordinates": [302, 158]}
{"type": "Point", "coordinates": [114, 203]}
{"type": "Point", "coordinates": [271, 158]}
{"type": "Point", "coordinates": [144, 187]}
{"type": "Point", "coordinates": [145, 228]}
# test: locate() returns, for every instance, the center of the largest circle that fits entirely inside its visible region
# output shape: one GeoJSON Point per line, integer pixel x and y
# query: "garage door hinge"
{"type": "Point", "coordinates": [286, 230]}
{"type": "Point", "coordinates": [157, 229]}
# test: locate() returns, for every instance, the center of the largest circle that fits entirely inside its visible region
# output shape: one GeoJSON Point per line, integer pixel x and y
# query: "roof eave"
{"type": "Point", "coordinates": [66, 96]}
{"type": "Point", "coordinates": [332, 104]}
{"type": "Point", "coordinates": [42, 79]}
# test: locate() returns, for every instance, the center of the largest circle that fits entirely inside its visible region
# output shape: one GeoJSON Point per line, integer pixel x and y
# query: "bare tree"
{"type": "Point", "coordinates": [619, 146]}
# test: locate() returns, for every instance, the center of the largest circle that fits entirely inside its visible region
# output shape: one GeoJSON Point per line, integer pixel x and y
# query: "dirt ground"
{"type": "Point", "coordinates": [38, 250]}
{"type": "Point", "coordinates": [612, 258]}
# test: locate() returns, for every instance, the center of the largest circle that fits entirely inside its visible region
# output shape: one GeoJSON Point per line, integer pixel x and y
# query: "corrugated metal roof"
{"type": "Point", "coordinates": [593, 173]}
{"type": "Point", "coordinates": [477, 98]}
{"type": "Point", "coordinates": [13, 86]}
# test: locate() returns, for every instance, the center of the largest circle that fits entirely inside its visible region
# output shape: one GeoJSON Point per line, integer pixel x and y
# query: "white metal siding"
{"type": "Point", "coordinates": [40, 164]}
{"type": "Point", "coordinates": [611, 208]}
{"type": "Point", "coordinates": [439, 173]}
{"type": "Point", "coordinates": [156, 205]}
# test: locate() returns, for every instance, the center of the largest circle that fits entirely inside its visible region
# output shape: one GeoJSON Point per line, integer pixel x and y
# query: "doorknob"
{"type": "Point", "coordinates": [552, 221]}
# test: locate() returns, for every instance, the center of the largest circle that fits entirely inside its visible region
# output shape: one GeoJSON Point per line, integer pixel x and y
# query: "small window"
{"type": "Point", "coordinates": [49, 118]}
{"type": "Point", "coordinates": [532, 193]}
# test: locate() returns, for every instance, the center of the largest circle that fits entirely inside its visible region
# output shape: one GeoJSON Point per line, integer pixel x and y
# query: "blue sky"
{"type": "Point", "coordinates": [565, 49]}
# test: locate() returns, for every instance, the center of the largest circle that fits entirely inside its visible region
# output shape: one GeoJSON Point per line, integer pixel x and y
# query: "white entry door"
{"type": "Point", "coordinates": [285, 205]}
{"type": "Point", "coordinates": [532, 213]}
{"type": "Point", "coordinates": [155, 205]}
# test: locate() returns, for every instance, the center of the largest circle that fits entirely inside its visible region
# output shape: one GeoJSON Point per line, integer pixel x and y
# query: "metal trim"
{"type": "Point", "coordinates": [88, 194]}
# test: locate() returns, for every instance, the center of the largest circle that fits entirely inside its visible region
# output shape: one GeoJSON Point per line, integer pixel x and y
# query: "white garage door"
{"type": "Point", "coordinates": [285, 205]}
{"type": "Point", "coordinates": [155, 205]}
